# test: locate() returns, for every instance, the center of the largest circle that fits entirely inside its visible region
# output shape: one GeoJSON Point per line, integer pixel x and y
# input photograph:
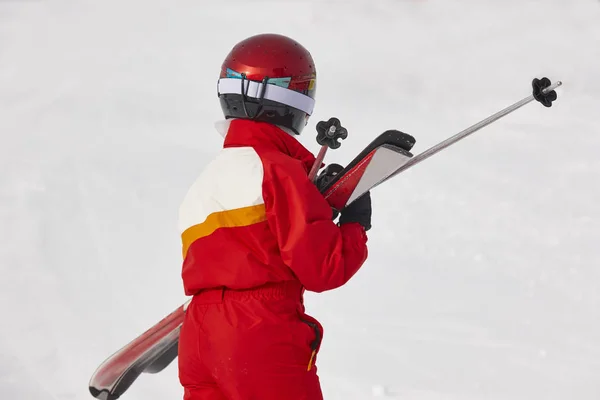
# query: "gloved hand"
{"type": "Point", "coordinates": [358, 211]}
{"type": "Point", "coordinates": [325, 177]}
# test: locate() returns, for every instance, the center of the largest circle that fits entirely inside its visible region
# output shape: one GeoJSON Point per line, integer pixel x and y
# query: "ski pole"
{"type": "Point", "coordinates": [543, 91]}
{"type": "Point", "coordinates": [328, 134]}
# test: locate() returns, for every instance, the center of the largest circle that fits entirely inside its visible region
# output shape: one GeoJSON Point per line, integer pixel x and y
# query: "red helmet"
{"type": "Point", "coordinates": [269, 78]}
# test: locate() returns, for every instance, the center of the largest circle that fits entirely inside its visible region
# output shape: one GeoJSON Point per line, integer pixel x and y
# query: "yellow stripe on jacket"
{"type": "Point", "coordinates": [223, 219]}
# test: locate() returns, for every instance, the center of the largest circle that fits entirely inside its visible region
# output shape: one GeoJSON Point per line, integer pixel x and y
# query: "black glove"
{"type": "Point", "coordinates": [325, 177]}
{"type": "Point", "coordinates": [358, 211]}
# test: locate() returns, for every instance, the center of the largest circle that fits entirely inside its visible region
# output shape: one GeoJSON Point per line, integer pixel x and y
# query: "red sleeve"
{"type": "Point", "coordinates": [322, 255]}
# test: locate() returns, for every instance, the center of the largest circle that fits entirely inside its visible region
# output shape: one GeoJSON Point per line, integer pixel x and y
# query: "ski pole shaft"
{"type": "Point", "coordinates": [320, 157]}
{"type": "Point", "coordinates": [470, 130]}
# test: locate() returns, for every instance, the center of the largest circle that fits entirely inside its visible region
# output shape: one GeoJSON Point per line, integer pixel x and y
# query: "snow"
{"type": "Point", "coordinates": [483, 279]}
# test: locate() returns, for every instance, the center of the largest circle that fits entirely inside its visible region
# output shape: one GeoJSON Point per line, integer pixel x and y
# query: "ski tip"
{"type": "Point", "coordinates": [102, 394]}
{"type": "Point", "coordinates": [400, 139]}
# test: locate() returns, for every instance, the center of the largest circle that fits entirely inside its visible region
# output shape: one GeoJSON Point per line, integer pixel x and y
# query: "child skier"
{"type": "Point", "coordinates": [256, 233]}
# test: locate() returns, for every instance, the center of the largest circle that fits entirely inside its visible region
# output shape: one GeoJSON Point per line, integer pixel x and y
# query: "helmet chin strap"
{"type": "Point", "coordinates": [261, 96]}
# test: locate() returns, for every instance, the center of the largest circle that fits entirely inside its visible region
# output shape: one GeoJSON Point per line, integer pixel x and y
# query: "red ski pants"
{"type": "Point", "coordinates": [255, 344]}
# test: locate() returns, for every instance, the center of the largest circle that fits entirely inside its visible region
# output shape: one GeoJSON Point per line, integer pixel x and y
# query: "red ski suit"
{"type": "Point", "coordinates": [256, 233]}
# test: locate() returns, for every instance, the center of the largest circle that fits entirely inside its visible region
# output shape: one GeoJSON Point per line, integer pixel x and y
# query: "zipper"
{"type": "Point", "coordinates": [314, 345]}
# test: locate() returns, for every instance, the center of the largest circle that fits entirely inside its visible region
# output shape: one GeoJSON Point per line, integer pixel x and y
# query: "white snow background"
{"type": "Point", "coordinates": [483, 280]}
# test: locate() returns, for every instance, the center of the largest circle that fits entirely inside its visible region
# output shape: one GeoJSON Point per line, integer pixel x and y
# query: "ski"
{"type": "Point", "coordinates": [150, 352]}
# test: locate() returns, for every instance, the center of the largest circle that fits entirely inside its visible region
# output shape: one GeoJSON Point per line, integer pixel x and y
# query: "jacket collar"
{"type": "Point", "coordinates": [261, 135]}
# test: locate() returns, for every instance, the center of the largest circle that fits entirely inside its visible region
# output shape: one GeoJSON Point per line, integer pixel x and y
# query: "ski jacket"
{"type": "Point", "coordinates": [253, 217]}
